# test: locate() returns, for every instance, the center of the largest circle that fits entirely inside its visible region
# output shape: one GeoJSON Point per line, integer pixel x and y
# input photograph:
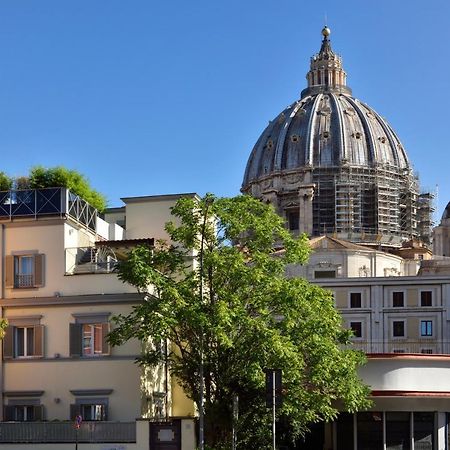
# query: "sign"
{"type": "Point", "coordinates": [78, 420]}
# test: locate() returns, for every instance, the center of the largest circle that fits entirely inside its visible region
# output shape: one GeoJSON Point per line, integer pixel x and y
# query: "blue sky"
{"type": "Point", "coordinates": [150, 97]}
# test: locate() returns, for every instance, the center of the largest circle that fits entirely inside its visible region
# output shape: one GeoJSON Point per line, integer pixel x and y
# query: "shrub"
{"type": "Point", "coordinates": [5, 182]}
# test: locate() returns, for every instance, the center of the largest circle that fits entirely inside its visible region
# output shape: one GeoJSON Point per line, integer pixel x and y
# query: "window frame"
{"type": "Point", "coordinates": [77, 336]}
{"type": "Point", "coordinates": [361, 323]}
{"type": "Point", "coordinates": [427, 329]}
{"type": "Point", "coordinates": [11, 341]}
{"type": "Point", "coordinates": [423, 291]}
{"type": "Point", "coordinates": [402, 292]}
{"type": "Point", "coordinates": [350, 294]}
{"type": "Point", "coordinates": [405, 329]}
{"type": "Point", "coordinates": [14, 270]}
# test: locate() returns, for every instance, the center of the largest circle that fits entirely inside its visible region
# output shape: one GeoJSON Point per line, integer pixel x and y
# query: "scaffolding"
{"type": "Point", "coordinates": [370, 205]}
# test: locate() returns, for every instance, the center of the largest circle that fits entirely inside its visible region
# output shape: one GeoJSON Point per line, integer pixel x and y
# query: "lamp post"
{"type": "Point", "coordinates": [201, 415]}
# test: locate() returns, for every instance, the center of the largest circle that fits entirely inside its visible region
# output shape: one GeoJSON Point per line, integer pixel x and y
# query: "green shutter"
{"type": "Point", "coordinates": [75, 339]}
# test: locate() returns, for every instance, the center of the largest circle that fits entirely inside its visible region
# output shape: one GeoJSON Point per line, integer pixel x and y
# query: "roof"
{"type": "Point", "coordinates": [331, 243]}
{"type": "Point", "coordinates": [152, 198]}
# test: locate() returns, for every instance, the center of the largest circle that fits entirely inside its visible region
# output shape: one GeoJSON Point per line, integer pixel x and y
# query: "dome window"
{"type": "Point", "coordinates": [270, 144]}
{"type": "Point", "coordinates": [357, 135]}
{"type": "Point", "coordinates": [325, 134]}
{"type": "Point", "coordinates": [295, 138]}
{"type": "Point", "coordinates": [382, 139]}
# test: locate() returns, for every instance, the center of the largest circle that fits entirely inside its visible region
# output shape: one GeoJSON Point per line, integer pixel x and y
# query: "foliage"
{"type": "Point", "coordinates": [5, 182]}
{"type": "Point", "coordinates": [235, 303]}
{"type": "Point", "coordinates": [3, 326]}
{"type": "Point", "coordinates": [41, 177]}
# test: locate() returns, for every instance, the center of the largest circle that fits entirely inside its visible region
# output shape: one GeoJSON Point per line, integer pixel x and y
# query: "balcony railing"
{"type": "Point", "coordinates": [81, 260]}
{"type": "Point", "coordinates": [60, 432]}
{"type": "Point", "coordinates": [23, 281]}
{"type": "Point", "coordinates": [47, 202]}
{"type": "Point", "coordinates": [424, 346]}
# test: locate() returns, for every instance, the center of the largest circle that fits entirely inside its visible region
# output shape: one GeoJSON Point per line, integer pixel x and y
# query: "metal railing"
{"type": "Point", "coordinates": [424, 346]}
{"type": "Point", "coordinates": [22, 281]}
{"type": "Point", "coordinates": [81, 260]}
{"type": "Point", "coordinates": [48, 201]}
{"type": "Point", "coordinates": [48, 432]}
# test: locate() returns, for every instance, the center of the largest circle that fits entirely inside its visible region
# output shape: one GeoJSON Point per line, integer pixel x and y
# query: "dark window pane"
{"type": "Point", "coordinates": [423, 431]}
{"type": "Point", "coordinates": [398, 433]}
{"type": "Point", "coordinates": [370, 431]}
{"type": "Point", "coordinates": [293, 220]}
{"type": "Point", "coordinates": [397, 299]}
{"type": "Point", "coordinates": [355, 300]}
{"type": "Point", "coordinates": [426, 298]}
{"type": "Point", "coordinates": [325, 274]}
{"type": "Point", "coordinates": [20, 341]}
{"type": "Point", "coordinates": [344, 432]}
{"type": "Point", "coordinates": [356, 328]}
{"type": "Point", "coordinates": [398, 328]}
{"type": "Point", "coordinates": [30, 341]}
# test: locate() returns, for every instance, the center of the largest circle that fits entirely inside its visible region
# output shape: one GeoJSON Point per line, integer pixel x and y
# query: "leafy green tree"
{"type": "Point", "coordinates": [41, 177]}
{"type": "Point", "coordinates": [229, 304]}
{"type": "Point", "coordinates": [5, 182]}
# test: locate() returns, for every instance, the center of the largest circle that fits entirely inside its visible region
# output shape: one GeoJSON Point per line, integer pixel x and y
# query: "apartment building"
{"type": "Point", "coordinates": [60, 293]}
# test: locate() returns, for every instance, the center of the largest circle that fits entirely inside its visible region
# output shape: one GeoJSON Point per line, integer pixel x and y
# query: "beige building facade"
{"type": "Point", "coordinates": [60, 293]}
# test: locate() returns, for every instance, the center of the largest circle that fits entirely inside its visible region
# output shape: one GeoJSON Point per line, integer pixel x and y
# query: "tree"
{"type": "Point", "coordinates": [230, 298]}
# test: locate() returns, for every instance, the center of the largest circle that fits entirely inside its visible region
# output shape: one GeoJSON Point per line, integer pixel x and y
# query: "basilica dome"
{"type": "Point", "coordinates": [330, 164]}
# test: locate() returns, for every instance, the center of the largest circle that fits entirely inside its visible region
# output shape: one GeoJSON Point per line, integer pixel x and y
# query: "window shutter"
{"type": "Point", "coordinates": [75, 410]}
{"type": "Point", "coordinates": [104, 409]}
{"type": "Point", "coordinates": [8, 413]}
{"type": "Point", "coordinates": [8, 343]}
{"type": "Point", "coordinates": [39, 340]}
{"type": "Point", "coordinates": [9, 271]}
{"type": "Point", "coordinates": [39, 270]}
{"type": "Point", "coordinates": [75, 339]}
{"type": "Point", "coordinates": [38, 413]}
{"type": "Point", "coordinates": [105, 343]}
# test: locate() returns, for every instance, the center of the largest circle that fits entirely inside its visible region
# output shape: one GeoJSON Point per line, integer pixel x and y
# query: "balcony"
{"type": "Point", "coordinates": [82, 260]}
{"type": "Point", "coordinates": [422, 347]}
{"type": "Point", "coordinates": [56, 201]}
{"type": "Point", "coordinates": [64, 432]}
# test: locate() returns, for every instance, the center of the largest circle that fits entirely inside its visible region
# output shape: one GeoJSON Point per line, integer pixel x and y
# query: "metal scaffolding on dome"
{"type": "Point", "coordinates": [379, 205]}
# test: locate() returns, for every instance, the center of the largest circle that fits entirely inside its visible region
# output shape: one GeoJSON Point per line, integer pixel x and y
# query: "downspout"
{"type": "Point", "coordinates": [2, 292]}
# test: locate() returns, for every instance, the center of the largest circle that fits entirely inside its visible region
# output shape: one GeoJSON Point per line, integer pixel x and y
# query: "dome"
{"type": "Point", "coordinates": [325, 129]}
{"type": "Point", "coordinates": [329, 163]}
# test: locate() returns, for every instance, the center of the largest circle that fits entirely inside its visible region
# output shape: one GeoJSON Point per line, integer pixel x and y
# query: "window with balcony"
{"type": "Point", "coordinates": [355, 300]}
{"type": "Point", "coordinates": [426, 298]}
{"type": "Point", "coordinates": [426, 328]}
{"type": "Point", "coordinates": [92, 410]}
{"type": "Point", "coordinates": [24, 271]}
{"type": "Point", "coordinates": [23, 412]}
{"type": "Point", "coordinates": [398, 300]}
{"type": "Point", "coordinates": [23, 340]}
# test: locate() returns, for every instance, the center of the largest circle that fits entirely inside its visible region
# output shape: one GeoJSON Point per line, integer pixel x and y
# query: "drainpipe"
{"type": "Point", "coordinates": [2, 292]}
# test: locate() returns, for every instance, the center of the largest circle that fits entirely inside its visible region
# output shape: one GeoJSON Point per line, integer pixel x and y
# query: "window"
{"type": "Point", "coordinates": [24, 271]}
{"type": "Point", "coordinates": [355, 299]}
{"type": "Point", "coordinates": [89, 339]}
{"type": "Point", "coordinates": [356, 327]}
{"type": "Point", "coordinates": [23, 341]}
{"type": "Point", "coordinates": [398, 328]}
{"type": "Point", "coordinates": [398, 299]}
{"type": "Point", "coordinates": [293, 217]}
{"type": "Point", "coordinates": [426, 328]}
{"type": "Point", "coordinates": [90, 409]}
{"type": "Point", "coordinates": [23, 413]}
{"type": "Point", "coordinates": [426, 298]}
{"type": "Point", "coordinates": [324, 274]}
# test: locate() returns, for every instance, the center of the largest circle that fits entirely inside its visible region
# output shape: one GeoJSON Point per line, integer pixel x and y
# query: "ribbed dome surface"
{"type": "Point", "coordinates": [325, 129]}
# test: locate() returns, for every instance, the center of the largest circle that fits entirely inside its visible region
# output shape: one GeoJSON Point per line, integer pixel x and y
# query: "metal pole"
{"type": "Point", "coordinates": [201, 415]}
{"type": "Point", "coordinates": [273, 409]}
{"type": "Point", "coordinates": [235, 420]}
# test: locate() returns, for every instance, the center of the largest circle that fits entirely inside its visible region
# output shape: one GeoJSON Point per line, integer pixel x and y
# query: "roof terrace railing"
{"type": "Point", "coordinates": [47, 202]}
